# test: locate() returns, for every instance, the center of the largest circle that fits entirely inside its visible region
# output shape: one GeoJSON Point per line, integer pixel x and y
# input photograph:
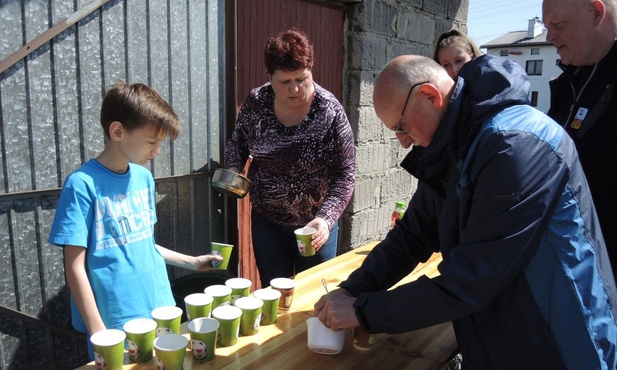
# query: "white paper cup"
{"type": "Point", "coordinates": [139, 336]}
{"type": "Point", "coordinates": [322, 339]}
{"type": "Point", "coordinates": [204, 334]}
{"type": "Point", "coordinates": [198, 305]}
{"type": "Point", "coordinates": [286, 286]}
{"type": "Point", "coordinates": [170, 350]}
{"type": "Point", "coordinates": [229, 320]}
{"type": "Point", "coordinates": [168, 319]}
{"type": "Point", "coordinates": [108, 346]}
{"type": "Point", "coordinates": [251, 314]}
{"type": "Point", "coordinates": [240, 287]}
{"type": "Point", "coordinates": [221, 295]}
{"type": "Point", "coordinates": [270, 309]}
{"type": "Point", "coordinates": [304, 239]}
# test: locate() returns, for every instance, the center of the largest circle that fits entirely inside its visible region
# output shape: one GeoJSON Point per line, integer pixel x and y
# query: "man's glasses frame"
{"type": "Point", "coordinates": [399, 128]}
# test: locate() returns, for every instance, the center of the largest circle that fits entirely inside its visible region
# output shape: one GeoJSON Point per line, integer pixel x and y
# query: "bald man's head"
{"type": "Point", "coordinates": [583, 31]}
{"type": "Point", "coordinates": [412, 91]}
{"type": "Point", "coordinates": [404, 71]}
{"type": "Point", "coordinates": [394, 81]}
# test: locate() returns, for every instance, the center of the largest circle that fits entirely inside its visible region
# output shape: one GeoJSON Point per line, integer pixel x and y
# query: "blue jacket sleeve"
{"type": "Point", "coordinates": [487, 227]}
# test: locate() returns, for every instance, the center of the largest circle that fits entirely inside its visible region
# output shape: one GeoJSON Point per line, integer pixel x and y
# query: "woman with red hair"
{"type": "Point", "coordinates": [303, 166]}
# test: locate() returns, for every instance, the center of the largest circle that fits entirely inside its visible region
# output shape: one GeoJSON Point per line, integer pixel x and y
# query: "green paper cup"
{"type": "Point", "coordinates": [221, 295]}
{"type": "Point", "coordinates": [229, 320]}
{"type": "Point", "coordinates": [223, 250]}
{"type": "Point", "coordinates": [286, 286]}
{"type": "Point", "coordinates": [108, 346]}
{"type": "Point", "coordinates": [198, 305]}
{"type": "Point", "coordinates": [170, 350]}
{"type": "Point", "coordinates": [240, 287]}
{"type": "Point", "coordinates": [304, 238]}
{"type": "Point", "coordinates": [167, 319]}
{"type": "Point", "coordinates": [139, 336]}
{"type": "Point", "coordinates": [204, 333]}
{"type": "Point", "coordinates": [270, 309]}
{"type": "Point", "coordinates": [251, 314]}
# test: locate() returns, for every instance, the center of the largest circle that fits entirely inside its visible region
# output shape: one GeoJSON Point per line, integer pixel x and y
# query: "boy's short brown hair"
{"type": "Point", "coordinates": [135, 106]}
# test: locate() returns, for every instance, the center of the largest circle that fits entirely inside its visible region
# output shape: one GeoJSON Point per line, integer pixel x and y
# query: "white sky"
{"type": "Point", "coordinates": [489, 19]}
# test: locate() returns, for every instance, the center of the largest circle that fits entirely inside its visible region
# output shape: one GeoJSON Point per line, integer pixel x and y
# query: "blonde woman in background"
{"type": "Point", "coordinates": [453, 50]}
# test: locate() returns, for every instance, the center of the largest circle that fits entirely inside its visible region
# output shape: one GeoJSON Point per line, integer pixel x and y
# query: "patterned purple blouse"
{"type": "Point", "coordinates": [298, 172]}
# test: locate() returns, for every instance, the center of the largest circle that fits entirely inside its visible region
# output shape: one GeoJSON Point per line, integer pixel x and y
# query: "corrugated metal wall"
{"type": "Point", "coordinates": [49, 109]}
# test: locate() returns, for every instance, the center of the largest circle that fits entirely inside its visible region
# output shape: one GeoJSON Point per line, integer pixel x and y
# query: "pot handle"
{"type": "Point", "coordinates": [247, 164]}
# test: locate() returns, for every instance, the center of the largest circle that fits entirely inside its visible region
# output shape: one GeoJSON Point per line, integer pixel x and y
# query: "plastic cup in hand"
{"type": "Point", "coordinates": [204, 333]}
{"type": "Point", "coordinates": [304, 238]}
{"type": "Point", "coordinates": [168, 320]}
{"type": "Point", "coordinates": [322, 339]}
{"type": "Point", "coordinates": [286, 286]}
{"type": "Point", "coordinates": [240, 287]}
{"type": "Point", "coordinates": [221, 295]}
{"type": "Point", "coordinates": [198, 305]}
{"type": "Point", "coordinates": [139, 336]}
{"type": "Point", "coordinates": [108, 346]}
{"type": "Point", "coordinates": [223, 250]}
{"type": "Point", "coordinates": [229, 320]}
{"type": "Point", "coordinates": [251, 314]}
{"type": "Point", "coordinates": [270, 309]}
{"type": "Point", "coordinates": [170, 350]}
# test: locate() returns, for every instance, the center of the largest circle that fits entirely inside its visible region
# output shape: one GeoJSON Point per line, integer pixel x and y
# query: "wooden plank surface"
{"type": "Point", "coordinates": [283, 344]}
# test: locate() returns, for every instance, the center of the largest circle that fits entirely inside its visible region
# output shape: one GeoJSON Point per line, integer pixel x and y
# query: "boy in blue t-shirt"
{"type": "Point", "coordinates": [106, 214]}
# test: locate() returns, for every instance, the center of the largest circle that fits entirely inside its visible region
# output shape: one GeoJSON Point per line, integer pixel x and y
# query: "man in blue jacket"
{"type": "Point", "coordinates": [525, 277]}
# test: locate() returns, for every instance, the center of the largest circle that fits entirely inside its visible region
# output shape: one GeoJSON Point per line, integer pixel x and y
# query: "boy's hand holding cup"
{"type": "Point", "coordinates": [207, 262]}
{"type": "Point", "coordinates": [224, 252]}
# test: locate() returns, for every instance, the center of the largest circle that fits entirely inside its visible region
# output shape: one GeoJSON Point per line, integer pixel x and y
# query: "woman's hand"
{"type": "Point", "coordinates": [322, 234]}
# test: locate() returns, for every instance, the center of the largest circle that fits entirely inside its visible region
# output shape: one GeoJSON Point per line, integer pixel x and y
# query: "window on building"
{"type": "Point", "coordinates": [534, 99]}
{"type": "Point", "coordinates": [535, 51]}
{"type": "Point", "coordinates": [533, 67]}
{"type": "Point", "coordinates": [503, 53]}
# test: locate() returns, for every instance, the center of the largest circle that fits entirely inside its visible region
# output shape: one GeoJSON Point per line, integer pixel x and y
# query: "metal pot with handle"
{"type": "Point", "coordinates": [230, 183]}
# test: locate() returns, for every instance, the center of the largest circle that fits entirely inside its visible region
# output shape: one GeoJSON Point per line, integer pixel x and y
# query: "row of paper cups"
{"type": "Point", "coordinates": [143, 336]}
{"type": "Point", "coordinates": [218, 315]}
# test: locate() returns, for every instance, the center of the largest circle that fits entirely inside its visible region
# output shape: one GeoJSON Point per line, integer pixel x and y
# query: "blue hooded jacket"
{"type": "Point", "coordinates": [525, 277]}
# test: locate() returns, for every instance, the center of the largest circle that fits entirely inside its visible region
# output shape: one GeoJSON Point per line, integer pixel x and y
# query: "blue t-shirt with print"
{"type": "Point", "coordinates": [113, 215]}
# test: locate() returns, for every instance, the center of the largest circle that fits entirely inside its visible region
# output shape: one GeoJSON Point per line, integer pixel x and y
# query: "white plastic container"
{"type": "Point", "coordinates": [322, 339]}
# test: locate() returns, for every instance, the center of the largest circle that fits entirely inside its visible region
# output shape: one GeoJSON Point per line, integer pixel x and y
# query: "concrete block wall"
{"type": "Point", "coordinates": [376, 32]}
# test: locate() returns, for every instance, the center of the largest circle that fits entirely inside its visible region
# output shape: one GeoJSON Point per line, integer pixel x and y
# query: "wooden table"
{"type": "Point", "coordinates": [283, 344]}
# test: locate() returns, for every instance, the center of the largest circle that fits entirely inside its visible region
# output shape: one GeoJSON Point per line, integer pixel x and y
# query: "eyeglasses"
{"type": "Point", "coordinates": [399, 128]}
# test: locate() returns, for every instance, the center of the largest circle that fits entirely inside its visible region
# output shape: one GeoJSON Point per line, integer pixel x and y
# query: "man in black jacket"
{"type": "Point", "coordinates": [584, 97]}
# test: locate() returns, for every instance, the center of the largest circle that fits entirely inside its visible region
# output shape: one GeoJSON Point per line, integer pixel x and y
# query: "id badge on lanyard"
{"type": "Point", "coordinates": [579, 118]}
